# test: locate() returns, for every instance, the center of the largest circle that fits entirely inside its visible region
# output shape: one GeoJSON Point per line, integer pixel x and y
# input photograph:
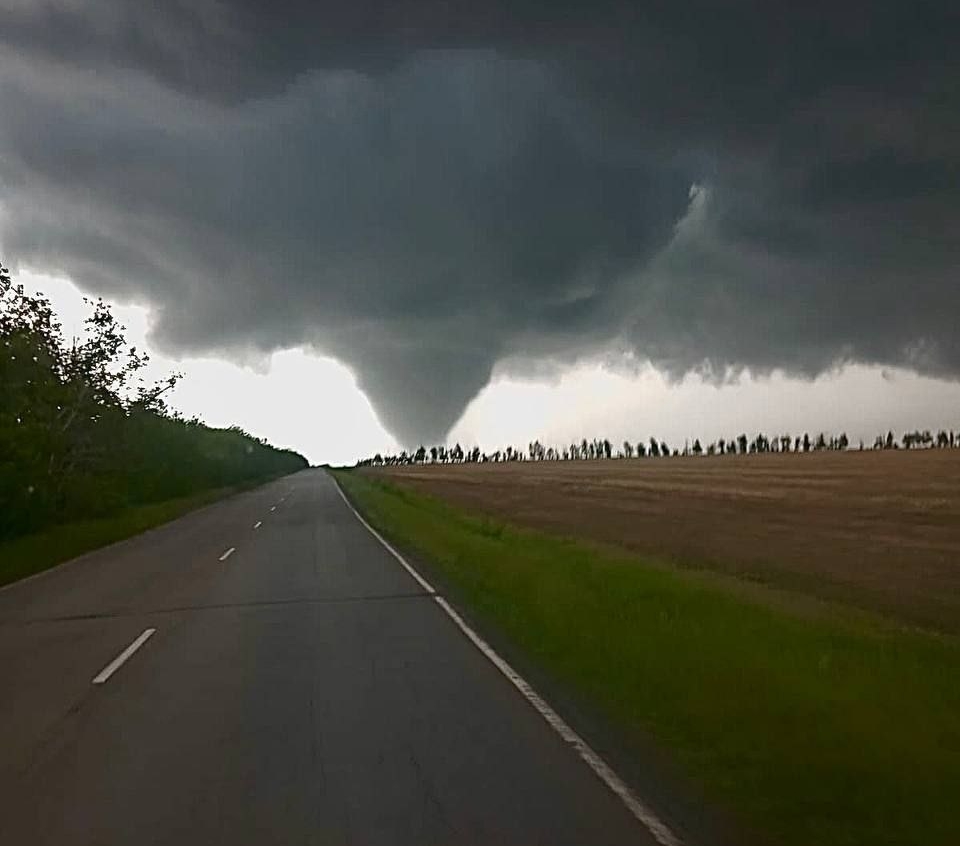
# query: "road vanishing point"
{"type": "Point", "coordinates": [264, 670]}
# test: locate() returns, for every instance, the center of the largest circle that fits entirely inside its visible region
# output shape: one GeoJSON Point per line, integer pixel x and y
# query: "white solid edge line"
{"type": "Point", "coordinates": [228, 553]}
{"type": "Point", "coordinates": [273, 508]}
{"type": "Point", "coordinates": [420, 579]}
{"type": "Point", "coordinates": [660, 831]}
{"type": "Point", "coordinates": [258, 524]}
{"type": "Point", "coordinates": [118, 662]}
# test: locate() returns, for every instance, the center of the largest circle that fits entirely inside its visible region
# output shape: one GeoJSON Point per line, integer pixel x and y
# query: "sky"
{"type": "Point", "coordinates": [414, 222]}
{"type": "Point", "coordinates": [334, 422]}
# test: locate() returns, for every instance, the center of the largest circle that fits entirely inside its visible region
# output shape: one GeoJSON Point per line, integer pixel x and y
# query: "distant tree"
{"type": "Point", "coordinates": [627, 449]}
{"type": "Point", "coordinates": [654, 448]}
{"type": "Point", "coordinates": [697, 448]}
{"type": "Point", "coordinates": [664, 449]}
{"type": "Point", "coordinates": [607, 448]}
{"type": "Point", "coordinates": [641, 449]}
{"type": "Point", "coordinates": [806, 442]}
{"type": "Point", "coordinates": [742, 443]}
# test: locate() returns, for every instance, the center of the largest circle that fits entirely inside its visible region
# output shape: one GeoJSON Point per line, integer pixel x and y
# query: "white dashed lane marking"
{"type": "Point", "coordinates": [119, 661]}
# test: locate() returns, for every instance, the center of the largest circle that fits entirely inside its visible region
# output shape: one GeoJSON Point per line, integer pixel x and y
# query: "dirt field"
{"type": "Point", "coordinates": [877, 530]}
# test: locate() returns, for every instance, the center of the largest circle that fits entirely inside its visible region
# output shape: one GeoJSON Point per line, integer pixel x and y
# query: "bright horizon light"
{"type": "Point", "coordinates": [311, 403]}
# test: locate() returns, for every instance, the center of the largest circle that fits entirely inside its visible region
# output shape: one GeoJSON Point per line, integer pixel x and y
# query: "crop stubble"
{"type": "Point", "coordinates": [877, 530]}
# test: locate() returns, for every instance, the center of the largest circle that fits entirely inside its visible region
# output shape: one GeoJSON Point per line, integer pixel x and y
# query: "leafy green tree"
{"type": "Point", "coordinates": [83, 434]}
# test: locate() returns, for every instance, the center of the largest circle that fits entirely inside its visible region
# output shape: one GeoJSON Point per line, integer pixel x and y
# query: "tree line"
{"type": "Point", "coordinates": [83, 434]}
{"type": "Point", "coordinates": [603, 449]}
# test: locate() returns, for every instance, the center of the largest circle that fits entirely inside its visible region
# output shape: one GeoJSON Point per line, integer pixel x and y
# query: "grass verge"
{"type": "Point", "coordinates": [30, 554]}
{"type": "Point", "coordinates": [830, 728]}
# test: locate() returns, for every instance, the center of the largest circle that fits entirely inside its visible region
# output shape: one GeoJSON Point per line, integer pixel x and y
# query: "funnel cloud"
{"type": "Point", "coordinates": [424, 190]}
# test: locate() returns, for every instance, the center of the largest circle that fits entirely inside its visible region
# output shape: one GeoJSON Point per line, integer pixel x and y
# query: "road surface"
{"type": "Point", "coordinates": [301, 689]}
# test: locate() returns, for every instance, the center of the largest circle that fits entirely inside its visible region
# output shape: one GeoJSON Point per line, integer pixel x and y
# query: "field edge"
{"type": "Point", "coordinates": [454, 537]}
{"type": "Point", "coordinates": [30, 555]}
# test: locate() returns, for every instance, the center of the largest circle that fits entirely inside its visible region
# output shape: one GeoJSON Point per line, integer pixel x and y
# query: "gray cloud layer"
{"type": "Point", "coordinates": [423, 193]}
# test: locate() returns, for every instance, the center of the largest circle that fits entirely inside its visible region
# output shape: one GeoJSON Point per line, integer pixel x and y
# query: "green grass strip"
{"type": "Point", "coordinates": [30, 554]}
{"type": "Point", "coordinates": [829, 728]}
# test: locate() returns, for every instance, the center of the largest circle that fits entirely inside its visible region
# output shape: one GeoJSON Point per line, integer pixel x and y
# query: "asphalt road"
{"type": "Point", "coordinates": [302, 690]}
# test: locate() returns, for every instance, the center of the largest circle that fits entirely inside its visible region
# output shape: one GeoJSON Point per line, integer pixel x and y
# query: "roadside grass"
{"type": "Point", "coordinates": [831, 728]}
{"type": "Point", "coordinates": [30, 554]}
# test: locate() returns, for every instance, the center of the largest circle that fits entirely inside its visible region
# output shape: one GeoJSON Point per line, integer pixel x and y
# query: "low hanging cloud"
{"type": "Point", "coordinates": [423, 192]}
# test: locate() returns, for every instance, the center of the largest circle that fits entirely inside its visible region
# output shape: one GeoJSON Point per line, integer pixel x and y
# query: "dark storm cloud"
{"type": "Point", "coordinates": [424, 190]}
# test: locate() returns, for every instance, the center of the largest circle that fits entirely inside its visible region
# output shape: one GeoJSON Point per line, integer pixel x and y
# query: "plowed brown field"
{"type": "Point", "coordinates": [878, 530]}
